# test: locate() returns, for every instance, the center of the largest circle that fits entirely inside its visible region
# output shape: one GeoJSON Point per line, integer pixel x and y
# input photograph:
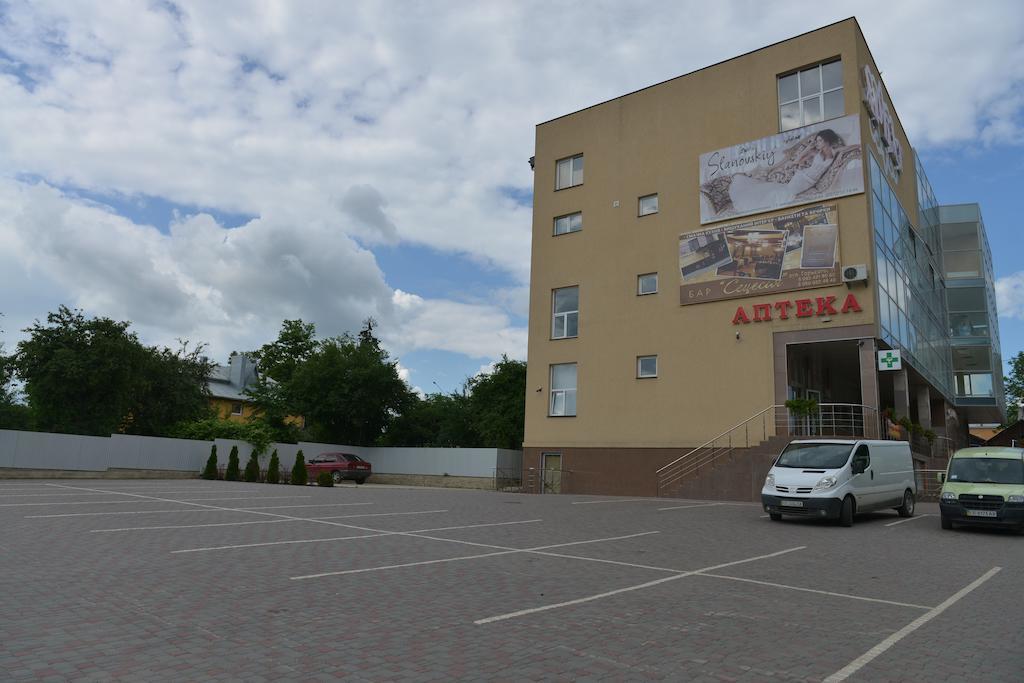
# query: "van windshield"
{"type": "Point", "coordinates": [987, 470]}
{"type": "Point", "coordinates": [815, 456]}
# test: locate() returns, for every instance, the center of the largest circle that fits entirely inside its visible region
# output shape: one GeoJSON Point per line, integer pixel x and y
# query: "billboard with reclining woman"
{"type": "Point", "coordinates": [800, 166]}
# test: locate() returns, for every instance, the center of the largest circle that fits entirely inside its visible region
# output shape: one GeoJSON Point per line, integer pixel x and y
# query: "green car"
{"type": "Point", "coordinates": [984, 487]}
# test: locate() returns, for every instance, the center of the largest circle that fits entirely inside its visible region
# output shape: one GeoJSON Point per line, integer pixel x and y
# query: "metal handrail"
{"type": "Point", "coordinates": [847, 419]}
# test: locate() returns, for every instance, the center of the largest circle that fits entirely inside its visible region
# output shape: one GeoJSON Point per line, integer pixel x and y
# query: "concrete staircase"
{"type": "Point", "coordinates": [737, 475]}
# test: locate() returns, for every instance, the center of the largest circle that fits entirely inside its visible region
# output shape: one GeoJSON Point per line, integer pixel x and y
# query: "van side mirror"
{"type": "Point", "coordinates": [940, 477]}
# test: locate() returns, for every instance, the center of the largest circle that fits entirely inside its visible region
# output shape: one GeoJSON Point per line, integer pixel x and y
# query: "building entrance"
{"type": "Point", "coordinates": [828, 372]}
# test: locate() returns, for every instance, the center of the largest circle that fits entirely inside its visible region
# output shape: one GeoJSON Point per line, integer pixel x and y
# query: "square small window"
{"type": "Point", "coordinates": [647, 284]}
{"type": "Point", "coordinates": [572, 222]}
{"type": "Point", "coordinates": [236, 408]}
{"type": "Point", "coordinates": [648, 205]}
{"type": "Point", "coordinates": [569, 172]}
{"type": "Point", "coordinates": [811, 95]}
{"type": "Point", "coordinates": [646, 367]}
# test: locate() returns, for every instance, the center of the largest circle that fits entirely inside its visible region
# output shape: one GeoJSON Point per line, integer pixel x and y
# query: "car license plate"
{"type": "Point", "coordinates": [982, 513]}
{"type": "Point", "coordinates": [792, 503]}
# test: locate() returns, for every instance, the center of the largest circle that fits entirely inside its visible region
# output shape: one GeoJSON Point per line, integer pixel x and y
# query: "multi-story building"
{"type": "Point", "coordinates": [755, 232]}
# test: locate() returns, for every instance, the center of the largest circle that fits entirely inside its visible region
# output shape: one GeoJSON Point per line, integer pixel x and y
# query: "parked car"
{"type": "Point", "coordinates": [984, 487]}
{"type": "Point", "coordinates": [837, 478]}
{"type": "Point", "coordinates": [341, 466]}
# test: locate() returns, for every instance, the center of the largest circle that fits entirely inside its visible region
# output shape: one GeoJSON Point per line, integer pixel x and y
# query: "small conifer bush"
{"type": "Point", "coordinates": [324, 479]}
{"type": "Point", "coordinates": [274, 469]}
{"type": "Point", "coordinates": [299, 470]}
{"type": "Point", "coordinates": [210, 471]}
{"type": "Point", "coordinates": [252, 469]}
{"type": "Point", "coordinates": [232, 473]}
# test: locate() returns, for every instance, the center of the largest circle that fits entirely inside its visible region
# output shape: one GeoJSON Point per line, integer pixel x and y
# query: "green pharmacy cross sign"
{"type": "Point", "coordinates": [889, 360]}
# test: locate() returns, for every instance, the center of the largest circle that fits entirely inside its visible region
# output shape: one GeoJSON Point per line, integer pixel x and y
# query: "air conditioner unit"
{"type": "Point", "coordinates": [853, 274]}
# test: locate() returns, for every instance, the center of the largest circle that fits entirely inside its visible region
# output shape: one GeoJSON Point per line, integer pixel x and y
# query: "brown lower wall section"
{"type": "Point", "coordinates": [435, 480]}
{"type": "Point", "coordinates": [738, 475]}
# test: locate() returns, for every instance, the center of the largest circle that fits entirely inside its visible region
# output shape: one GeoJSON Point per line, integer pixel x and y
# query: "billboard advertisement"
{"type": "Point", "coordinates": [797, 250]}
{"type": "Point", "coordinates": [800, 166]}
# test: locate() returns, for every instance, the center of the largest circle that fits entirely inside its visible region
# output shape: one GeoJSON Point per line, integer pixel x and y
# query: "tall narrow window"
{"type": "Point", "coordinates": [565, 315]}
{"type": "Point", "coordinates": [811, 95]}
{"type": "Point", "coordinates": [563, 390]}
{"type": "Point", "coordinates": [569, 172]}
{"type": "Point", "coordinates": [572, 222]}
{"type": "Point", "coordinates": [648, 204]}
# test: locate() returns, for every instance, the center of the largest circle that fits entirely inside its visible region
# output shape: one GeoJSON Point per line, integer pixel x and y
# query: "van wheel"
{"type": "Point", "coordinates": [776, 516]}
{"type": "Point", "coordinates": [846, 512]}
{"type": "Point", "coordinates": [907, 509]}
{"type": "Point", "coordinates": [946, 523]}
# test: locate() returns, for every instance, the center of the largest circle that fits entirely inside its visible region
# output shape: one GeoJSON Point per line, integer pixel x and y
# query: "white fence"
{"type": "Point", "coordinates": [41, 450]}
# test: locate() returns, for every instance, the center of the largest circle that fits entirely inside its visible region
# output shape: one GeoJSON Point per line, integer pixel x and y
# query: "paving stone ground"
{"type": "Point", "coordinates": [87, 595]}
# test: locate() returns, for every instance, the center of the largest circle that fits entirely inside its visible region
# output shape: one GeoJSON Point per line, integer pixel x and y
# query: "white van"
{"type": "Point", "coordinates": [837, 478]}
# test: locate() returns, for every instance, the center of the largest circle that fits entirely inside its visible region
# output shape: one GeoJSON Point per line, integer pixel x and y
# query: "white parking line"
{"type": "Point", "coordinates": [909, 519]}
{"type": "Point", "coordinates": [813, 590]}
{"type": "Point", "coordinates": [281, 507]}
{"type": "Point", "coordinates": [79, 502]}
{"type": "Point", "coordinates": [384, 514]}
{"type": "Point", "coordinates": [343, 538]}
{"type": "Point", "coordinates": [188, 500]}
{"type": "Point", "coordinates": [857, 664]}
{"type": "Point", "coordinates": [259, 521]}
{"type": "Point", "coordinates": [627, 500]}
{"type": "Point", "coordinates": [49, 495]}
{"type": "Point", "coordinates": [698, 505]}
{"type": "Point", "coordinates": [648, 584]}
{"type": "Point", "coordinates": [507, 551]}
{"type": "Point", "coordinates": [191, 526]}
{"type": "Point", "coordinates": [133, 512]}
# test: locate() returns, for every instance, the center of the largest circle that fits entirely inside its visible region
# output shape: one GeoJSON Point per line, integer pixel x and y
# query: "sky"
{"type": "Point", "coordinates": [209, 169]}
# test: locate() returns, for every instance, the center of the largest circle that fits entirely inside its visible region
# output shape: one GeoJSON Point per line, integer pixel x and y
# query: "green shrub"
{"type": "Point", "coordinates": [324, 479]}
{"type": "Point", "coordinates": [299, 470]}
{"type": "Point", "coordinates": [252, 469]}
{"type": "Point", "coordinates": [274, 469]}
{"type": "Point", "coordinates": [232, 473]}
{"type": "Point", "coordinates": [210, 471]}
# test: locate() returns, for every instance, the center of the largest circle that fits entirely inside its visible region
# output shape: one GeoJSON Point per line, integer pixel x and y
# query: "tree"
{"type": "Point", "coordinates": [256, 433]}
{"type": "Point", "coordinates": [274, 469]}
{"type": "Point", "coordinates": [439, 420]}
{"type": "Point", "coordinates": [252, 469]}
{"type": "Point", "coordinates": [498, 404]}
{"type": "Point", "coordinates": [299, 470]}
{"type": "Point", "coordinates": [1014, 385]}
{"type": "Point", "coordinates": [277, 362]}
{"type": "Point", "coordinates": [13, 413]}
{"type": "Point", "coordinates": [210, 471]}
{"type": "Point", "coordinates": [93, 376]}
{"type": "Point", "coordinates": [232, 473]}
{"type": "Point", "coordinates": [349, 390]}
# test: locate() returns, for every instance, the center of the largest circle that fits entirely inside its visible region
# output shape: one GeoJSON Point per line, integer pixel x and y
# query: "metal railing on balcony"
{"type": "Point", "coordinates": [828, 420]}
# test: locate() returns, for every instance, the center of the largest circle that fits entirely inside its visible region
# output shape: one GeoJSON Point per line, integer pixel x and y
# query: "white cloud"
{"type": "Point", "coordinates": [1010, 295]}
{"type": "Point", "coordinates": [345, 126]}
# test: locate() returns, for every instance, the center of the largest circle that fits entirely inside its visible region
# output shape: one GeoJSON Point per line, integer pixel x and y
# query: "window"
{"type": "Point", "coordinates": [565, 316]}
{"type": "Point", "coordinates": [647, 284]}
{"type": "Point", "coordinates": [648, 205]}
{"type": "Point", "coordinates": [236, 408]}
{"type": "Point", "coordinates": [570, 223]}
{"type": "Point", "coordinates": [646, 366]}
{"type": "Point", "coordinates": [569, 172]}
{"type": "Point", "coordinates": [811, 95]}
{"type": "Point", "coordinates": [563, 390]}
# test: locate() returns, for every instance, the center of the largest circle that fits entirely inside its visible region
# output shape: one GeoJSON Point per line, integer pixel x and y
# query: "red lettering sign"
{"type": "Point", "coordinates": [805, 308]}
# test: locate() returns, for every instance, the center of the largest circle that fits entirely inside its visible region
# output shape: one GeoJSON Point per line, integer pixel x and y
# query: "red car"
{"type": "Point", "coordinates": [340, 465]}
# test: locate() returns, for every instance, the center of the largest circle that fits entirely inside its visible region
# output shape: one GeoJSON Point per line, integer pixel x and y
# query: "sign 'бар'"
{"type": "Point", "coordinates": [800, 308]}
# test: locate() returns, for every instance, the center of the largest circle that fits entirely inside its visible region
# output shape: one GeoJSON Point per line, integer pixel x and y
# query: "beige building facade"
{"type": "Point", "coordinates": [689, 248]}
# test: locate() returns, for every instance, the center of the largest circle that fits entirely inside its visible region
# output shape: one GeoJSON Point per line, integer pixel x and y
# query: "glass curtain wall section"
{"type": "Point", "coordinates": [973, 322]}
{"type": "Point", "coordinates": [911, 297]}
